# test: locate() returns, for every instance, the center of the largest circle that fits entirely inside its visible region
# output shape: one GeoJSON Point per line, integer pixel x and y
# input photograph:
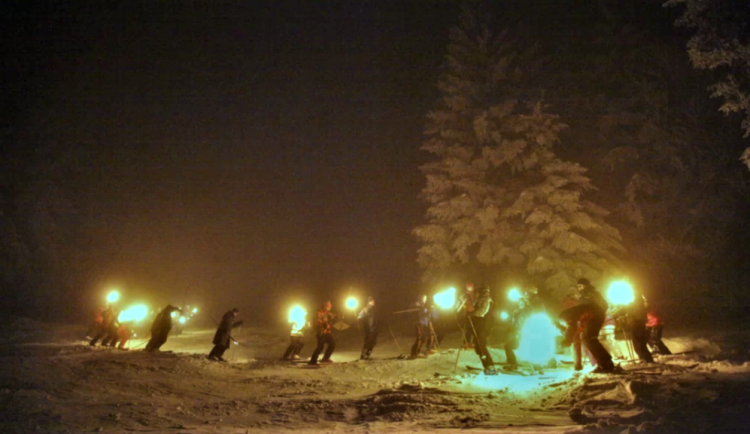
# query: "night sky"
{"type": "Point", "coordinates": [242, 152]}
{"type": "Point", "coordinates": [252, 153]}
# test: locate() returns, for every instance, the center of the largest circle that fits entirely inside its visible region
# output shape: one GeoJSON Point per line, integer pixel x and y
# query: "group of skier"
{"type": "Point", "coordinates": [367, 322]}
{"type": "Point", "coordinates": [473, 310]}
{"type": "Point", "coordinates": [108, 328]}
{"type": "Point", "coordinates": [584, 313]}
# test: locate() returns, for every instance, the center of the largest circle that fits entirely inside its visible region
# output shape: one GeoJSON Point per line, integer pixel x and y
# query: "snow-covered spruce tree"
{"type": "Point", "coordinates": [497, 193]}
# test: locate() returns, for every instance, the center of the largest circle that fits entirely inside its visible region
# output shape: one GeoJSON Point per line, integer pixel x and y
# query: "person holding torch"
{"type": "Point", "coordinates": [478, 316]}
{"type": "Point", "coordinates": [367, 322]}
{"type": "Point", "coordinates": [297, 317]}
{"type": "Point", "coordinates": [467, 299]}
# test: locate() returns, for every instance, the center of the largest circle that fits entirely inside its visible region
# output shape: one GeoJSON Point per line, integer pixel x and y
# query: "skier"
{"type": "Point", "coordinates": [654, 328]}
{"type": "Point", "coordinates": [467, 299]}
{"type": "Point", "coordinates": [104, 327]}
{"type": "Point", "coordinates": [324, 335]}
{"type": "Point", "coordinates": [160, 328]}
{"type": "Point", "coordinates": [96, 325]}
{"type": "Point", "coordinates": [514, 322]}
{"type": "Point", "coordinates": [632, 318]}
{"type": "Point", "coordinates": [296, 339]}
{"type": "Point", "coordinates": [113, 326]}
{"type": "Point", "coordinates": [223, 336]}
{"type": "Point", "coordinates": [479, 327]}
{"type": "Point", "coordinates": [533, 301]}
{"type": "Point", "coordinates": [124, 333]}
{"type": "Point", "coordinates": [423, 330]}
{"type": "Point", "coordinates": [367, 322]}
{"type": "Point", "coordinates": [589, 310]}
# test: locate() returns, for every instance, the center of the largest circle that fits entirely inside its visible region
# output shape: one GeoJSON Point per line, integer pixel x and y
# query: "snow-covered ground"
{"type": "Point", "coordinates": [52, 381]}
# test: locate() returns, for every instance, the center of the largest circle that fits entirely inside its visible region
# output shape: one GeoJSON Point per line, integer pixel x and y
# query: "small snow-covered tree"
{"type": "Point", "coordinates": [497, 193]}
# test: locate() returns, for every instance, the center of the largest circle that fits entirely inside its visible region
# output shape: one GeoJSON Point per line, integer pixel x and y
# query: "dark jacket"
{"type": "Point", "coordinates": [163, 322]}
{"type": "Point", "coordinates": [424, 313]}
{"type": "Point", "coordinates": [589, 305]}
{"type": "Point", "coordinates": [223, 333]}
{"type": "Point", "coordinates": [367, 320]}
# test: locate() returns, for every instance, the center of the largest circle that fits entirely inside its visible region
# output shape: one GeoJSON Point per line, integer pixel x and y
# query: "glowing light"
{"type": "Point", "coordinates": [182, 320]}
{"type": "Point", "coordinates": [538, 339]}
{"type": "Point", "coordinates": [504, 316]}
{"type": "Point", "coordinates": [113, 296]}
{"type": "Point", "coordinates": [351, 303]}
{"type": "Point", "coordinates": [297, 316]}
{"type": "Point", "coordinates": [514, 294]}
{"type": "Point", "coordinates": [173, 314]}
{"type": "Point", "coordinates": [620, 293]}
{"type": "Point", "coordinates": [195, 310]}
{"type": "Point", "coordinates": [133, 314]}
{"type": "Point", "coordinates": [445, 299]}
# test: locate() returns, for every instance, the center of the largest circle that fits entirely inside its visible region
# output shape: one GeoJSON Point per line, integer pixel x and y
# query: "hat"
{"type": "Point", "coordinates": [584, 281]}
{"type": "Point", "coordinates": [235, 310]}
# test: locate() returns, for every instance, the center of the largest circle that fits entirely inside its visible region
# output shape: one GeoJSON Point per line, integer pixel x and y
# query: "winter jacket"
{"type": "Point", "coordinates": [366, 319]}
{"type": "Point", "coordinates": [467, 299]}
{"type": "Point", "coordinates": [591, 295]}
{"type": "Point", "coordinates": [324, 322]}
{"type": "Point", "coordinates": [482, 306]}
{"type": "Point", "coordinates": [163, 322]}
{"type": "Point", "coordinates": [653, 319]}
{"type": "Point", "coordinates": [424, 313]}
{"type": "Point", "coordinates": [632, 315]}
{"type": "Point", "coordinates": [223, 333]}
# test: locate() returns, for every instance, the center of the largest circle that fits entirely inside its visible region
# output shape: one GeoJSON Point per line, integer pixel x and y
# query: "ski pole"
{"type": "Point", "coordinates": [463, 337]}
{"type": "Point", "coordinates": [394, 339]}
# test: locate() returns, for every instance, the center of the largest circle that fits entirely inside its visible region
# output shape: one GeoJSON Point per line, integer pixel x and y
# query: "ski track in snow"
{"type": "Point", "coordinates": [52, 381]}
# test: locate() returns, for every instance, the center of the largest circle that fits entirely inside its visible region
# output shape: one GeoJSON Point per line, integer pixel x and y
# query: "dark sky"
{"type": "Point", "coordinates": [243, 151]}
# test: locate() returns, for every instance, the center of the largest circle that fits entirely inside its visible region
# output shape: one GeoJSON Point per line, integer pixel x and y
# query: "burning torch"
{"type": "Point", "coordinates": [113, 296]}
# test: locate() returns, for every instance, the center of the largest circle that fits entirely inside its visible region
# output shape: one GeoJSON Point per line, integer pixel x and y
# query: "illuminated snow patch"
{"type": "Point", "coordinates": [538, 339]}
{"type": "Point", "coordinates": [519, 383]}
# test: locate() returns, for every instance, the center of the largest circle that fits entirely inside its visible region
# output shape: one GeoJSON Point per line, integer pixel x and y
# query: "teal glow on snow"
{"type": "Point", "coordinates": [519, 383]}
